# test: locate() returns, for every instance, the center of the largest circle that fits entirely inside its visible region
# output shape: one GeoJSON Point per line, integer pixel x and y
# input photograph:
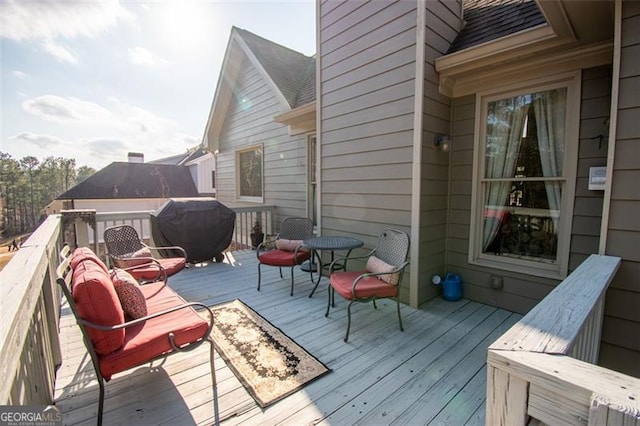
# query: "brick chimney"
{"type": "Point", "coordinates": [136, 157]}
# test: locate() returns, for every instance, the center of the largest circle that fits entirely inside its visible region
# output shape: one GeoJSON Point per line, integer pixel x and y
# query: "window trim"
{"type": "Point", "coordinates": [239, 197]}
{"type": "Point", "coordinates": [572, 82]}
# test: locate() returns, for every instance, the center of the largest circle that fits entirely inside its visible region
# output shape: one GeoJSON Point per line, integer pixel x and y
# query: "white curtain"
{"type": "Point", "coordinates": [505, 121]}
{"type": "Point", "coordinates": [550, 110]}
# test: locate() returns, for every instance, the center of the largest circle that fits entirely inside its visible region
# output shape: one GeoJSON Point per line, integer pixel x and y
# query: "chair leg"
{"type": "Point", "coordinates": [291, 294]}
{"type": "Point", "coordinates": [259, 276]}
{"type": "Point", "coordinates": [374, 304]}
{"type": "Point", "coordinates": [329, 290]}
{"type": "Point", "coordinates": [216, 412]}
{"type": "Point", "coordinates": [346, 337]}
{"type": "Point", "coordinates": [399, 317]}
{"type": "Point", "coordinates": [281, 277]}
{"type": "Point", "coordinates": [101, 403]}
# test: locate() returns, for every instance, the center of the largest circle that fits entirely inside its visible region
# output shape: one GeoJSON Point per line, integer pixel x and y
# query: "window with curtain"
{"type": "Point", "coordinates": [249, 173]}
{"type": "Point", "coordinates": [520, 216]}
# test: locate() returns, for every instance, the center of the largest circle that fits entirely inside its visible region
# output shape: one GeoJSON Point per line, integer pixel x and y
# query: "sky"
{"type": "Point", "coordinates": [96, 79]}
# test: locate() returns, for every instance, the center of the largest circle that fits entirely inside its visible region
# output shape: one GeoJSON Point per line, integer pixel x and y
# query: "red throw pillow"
{"type": "Point", "coordinates": [378, 266]}
{"type": "Point", "coordinates": [97, 302]}
{"type": "Point", "coordinates": [131, 297]}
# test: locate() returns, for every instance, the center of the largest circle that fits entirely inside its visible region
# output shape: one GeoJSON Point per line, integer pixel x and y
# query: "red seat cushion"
{"type": "Point", "coordinates": [172, 265]}
{"type": "Point", "coordinates": [150, 339]}
{"type": "Point", "coordinates": [96, 301]}
{"type": "Point", "coordinates": [83, 253]}
{"type": "Point", "coordinates": [367, 287]}
{"type": "Point", "coordinates": [283, 258]}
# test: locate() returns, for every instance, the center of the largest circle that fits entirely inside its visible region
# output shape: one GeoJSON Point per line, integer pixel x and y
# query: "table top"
{"type": "Point", "coordinates": [332, 242]}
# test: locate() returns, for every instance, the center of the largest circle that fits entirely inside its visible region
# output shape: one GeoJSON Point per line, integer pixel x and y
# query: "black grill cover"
{"type": "Point", "coordinates": [201, 226]}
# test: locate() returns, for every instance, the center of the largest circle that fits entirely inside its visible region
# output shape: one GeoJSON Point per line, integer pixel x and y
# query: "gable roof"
{"type": "Point", "coordinates": [181, 159]}
{"type": "Point", "coordinates": [291, 71]}
{"type": "Point", "coordinates": [134, 180]}
{"type": "Point", "coordinates": [487, 20]}
{"type": "Point", "coordinates": [289, 74]}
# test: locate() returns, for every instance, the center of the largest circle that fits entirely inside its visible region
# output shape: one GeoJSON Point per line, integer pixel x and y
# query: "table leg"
{"type": "Point", "coordinates": [314, 253]}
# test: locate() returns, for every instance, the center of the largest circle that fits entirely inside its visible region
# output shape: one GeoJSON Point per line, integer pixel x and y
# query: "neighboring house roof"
{"type": "Point", "coordinates": [486, 20]}
{"type": "Point", "coordinates": [180, 159]}
{"type": "Point", "coordinates": [291, 71]}
{"type": "Point", "coordinates": [135, 180]}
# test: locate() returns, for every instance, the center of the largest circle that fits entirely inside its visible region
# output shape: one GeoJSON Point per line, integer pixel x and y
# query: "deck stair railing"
{"type": "Point", "coordinates": [543, 368]}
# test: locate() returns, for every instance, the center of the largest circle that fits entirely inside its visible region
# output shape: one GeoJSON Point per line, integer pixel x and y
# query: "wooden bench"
{"type": "Point", "coordinates": [115, 343]}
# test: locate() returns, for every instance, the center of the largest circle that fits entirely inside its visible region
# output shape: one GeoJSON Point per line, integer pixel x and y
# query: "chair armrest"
{"type": "Point", "coordinates": [262, 247]}
{"type": "Point", "coordinates": [344, 259]}
{"type": "Point", "coordinates": [162, 272]}
{"type": "Point", "coordinates": [148, 317]}
{"type": "Point", "coordinates": [178, 248]}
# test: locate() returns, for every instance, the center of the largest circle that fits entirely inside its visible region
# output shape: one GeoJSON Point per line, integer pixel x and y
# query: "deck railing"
{"type": "Point", "coordinates": [543, 368]}
{"type": "Point", "coordinates": [246, 216]}
{"type": "Point", "coordinates": [29, 314]}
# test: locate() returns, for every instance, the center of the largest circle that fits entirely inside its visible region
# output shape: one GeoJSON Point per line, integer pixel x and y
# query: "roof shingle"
{"type": "Point", "coordinates": [134, 180]}
{"type": "Point", "coordinates": [291, 71]}
{"type": "Point", "coordinates": [487, 20]}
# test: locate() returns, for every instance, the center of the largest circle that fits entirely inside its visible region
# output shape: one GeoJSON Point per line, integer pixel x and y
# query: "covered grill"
{"type": "Point", "coordinates": [202, 226]}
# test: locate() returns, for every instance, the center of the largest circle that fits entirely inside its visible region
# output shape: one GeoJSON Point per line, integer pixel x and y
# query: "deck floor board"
{"type": "Point", "coordinates": [433, 372]}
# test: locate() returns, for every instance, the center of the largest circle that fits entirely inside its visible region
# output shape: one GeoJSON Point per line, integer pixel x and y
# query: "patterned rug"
{"type": "Point", "coordinates": [268, 363]}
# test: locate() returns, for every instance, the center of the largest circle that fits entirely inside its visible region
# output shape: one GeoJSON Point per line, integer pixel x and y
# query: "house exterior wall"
{"type": "Point", "coordinates": [521, 292]}
{"type": "Point", "coordinates": [248, 122]}
{"type": "Point", "coordinates": [442, 23]}
{"type": "Point", "coordinates": [201, 170]}
{"type": "Point", "coordinates": [367, 68]}
{"type": "Point", "coordinates": [620, 348]}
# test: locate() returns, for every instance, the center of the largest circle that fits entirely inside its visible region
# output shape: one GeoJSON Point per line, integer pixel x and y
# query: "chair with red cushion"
{"type": "Point", "coordinates": [380, 279]}
{"type": "Point", "coordinates": [286, 251]}
{"type": "Point", "coordinates": [116, 344]}
{"type": "Point", "coordinates": [126, 249]}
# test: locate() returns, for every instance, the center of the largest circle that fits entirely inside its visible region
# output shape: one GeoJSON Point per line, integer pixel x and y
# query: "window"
{"type": "Point", "coordinates": [525, 173]}
{"type": "Point", "coordinates": [249, 177]}
{"type": "Point", "coordinates": [213, 179]}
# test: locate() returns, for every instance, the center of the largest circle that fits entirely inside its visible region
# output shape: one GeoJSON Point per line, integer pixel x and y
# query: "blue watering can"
{"type": "Point", "coordinates": [451, 286]}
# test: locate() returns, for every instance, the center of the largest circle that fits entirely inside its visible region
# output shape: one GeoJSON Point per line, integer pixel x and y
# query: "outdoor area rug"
{"type": "Point", "coordinates": [268, 363]}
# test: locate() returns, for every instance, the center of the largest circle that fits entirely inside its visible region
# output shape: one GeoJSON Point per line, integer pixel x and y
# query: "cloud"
{"type": "Point", "coordinates": [42, 141]}
{"type": "Point", "coordinates": [48, 20]}
{"type": "Point", "coordinates": [108, 131]}
{"type": "Point", "coordinates": [107, 149]}
{"type": "Point", "coordinates": [19, 74]}
{"type": "Point", "coordinates": [63, 110]}
{"type": "Point", "coordinates": [60, 52]}
{"type": "Point", "coordinates": [142, 56]}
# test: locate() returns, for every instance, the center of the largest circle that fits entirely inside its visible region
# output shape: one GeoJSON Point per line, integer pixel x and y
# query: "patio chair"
{"type": "Point", "coordinates": [381, 278]}
{"type": "Point", "coordinates": [125, 325]}
{"type": "Point", "coordinates": [288, 251]}
{"type": "Point", "coordinates": [125, 249]}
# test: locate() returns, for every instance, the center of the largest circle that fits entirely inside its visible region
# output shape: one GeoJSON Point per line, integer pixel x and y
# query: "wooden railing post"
{"type": "Point", "coordinates": [543, 366]}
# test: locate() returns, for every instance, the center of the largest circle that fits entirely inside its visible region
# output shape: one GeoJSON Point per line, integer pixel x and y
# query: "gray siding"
{"type": "Point", "coordinates": [367, 71]}
{"type": "Point", "coordinates": [249, 121]}
{"type": "Point", "coordinates": [620, 348]}
{"type": "Point", "coordinates": [442, 23]}
{"type": "Point", "coordinates": [522, 292]}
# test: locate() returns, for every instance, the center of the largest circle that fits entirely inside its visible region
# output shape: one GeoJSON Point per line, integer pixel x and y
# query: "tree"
{"type": "Point", "coordinates": [28, 185]}
{"type": "Point", "coordinates": [83, 173]}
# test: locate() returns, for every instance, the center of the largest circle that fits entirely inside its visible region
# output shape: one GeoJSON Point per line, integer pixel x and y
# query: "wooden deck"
{"type": "Point", "coordinates": [433, 372]}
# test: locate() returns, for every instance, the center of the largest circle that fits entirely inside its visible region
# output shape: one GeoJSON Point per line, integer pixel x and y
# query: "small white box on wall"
{"type": "Point", "coordinates": [597, 178]}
